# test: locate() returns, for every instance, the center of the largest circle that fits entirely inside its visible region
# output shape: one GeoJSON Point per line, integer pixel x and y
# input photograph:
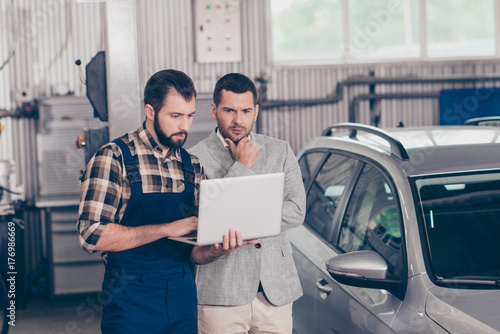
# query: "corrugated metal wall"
{"type": "Point", "coordinates": [299, 124]}
{"type": "Point", "coordinates": [166, 40]}
{"type": "Point", "coordinates": [54, 33]}
{"type": "Point", "coordinates": [51, 35]}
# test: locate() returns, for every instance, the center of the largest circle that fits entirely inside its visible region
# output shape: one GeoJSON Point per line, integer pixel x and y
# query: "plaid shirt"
{"type": "Point", "coordinates": [105, 189]}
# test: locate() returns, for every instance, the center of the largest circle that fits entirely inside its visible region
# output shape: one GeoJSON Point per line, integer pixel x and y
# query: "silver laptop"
{"type": "Point", "coordinates": [250, 204]}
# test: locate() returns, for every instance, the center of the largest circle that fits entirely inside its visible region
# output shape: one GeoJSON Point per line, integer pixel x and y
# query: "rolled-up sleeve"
{"type": "Point", "coordinates": [100, 198]}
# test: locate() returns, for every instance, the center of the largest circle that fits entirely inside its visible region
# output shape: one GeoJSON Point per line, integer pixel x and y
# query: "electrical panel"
{"type": "Point", "coordinates": [217, 30]}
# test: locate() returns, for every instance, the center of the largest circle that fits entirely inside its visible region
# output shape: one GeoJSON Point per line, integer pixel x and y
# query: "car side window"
{"type": "Point", "coordinates": [372, 220]}
{"type": "Point", "coordinates": [308, 164]}
{"type": "Point", "coordinates": [326, 191]}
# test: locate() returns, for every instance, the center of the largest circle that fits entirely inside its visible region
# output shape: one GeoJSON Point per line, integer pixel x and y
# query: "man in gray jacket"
{"type": "Point", "coordinates": [253, 287]}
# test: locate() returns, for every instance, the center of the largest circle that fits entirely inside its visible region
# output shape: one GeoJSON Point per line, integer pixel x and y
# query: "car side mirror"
{"type": "Point", "coordinates": [365, 269]}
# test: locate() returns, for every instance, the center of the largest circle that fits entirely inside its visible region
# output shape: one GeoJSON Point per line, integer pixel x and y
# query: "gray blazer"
{"type": "Point", "coordinates": [233, 279]}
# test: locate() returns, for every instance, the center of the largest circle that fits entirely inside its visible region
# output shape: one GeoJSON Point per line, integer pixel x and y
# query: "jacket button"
{"type": "Point", "coordinates": [257, 245]}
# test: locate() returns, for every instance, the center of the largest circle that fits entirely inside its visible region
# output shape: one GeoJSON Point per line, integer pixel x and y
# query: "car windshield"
{"type": "Point", "coordinates": [461, 215]}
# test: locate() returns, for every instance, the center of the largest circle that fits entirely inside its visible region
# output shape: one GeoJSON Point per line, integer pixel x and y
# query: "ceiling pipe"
{"type": "Point", "coordinates": [338, 94]}
{"type": "Point", "coordinates": [371, 81]}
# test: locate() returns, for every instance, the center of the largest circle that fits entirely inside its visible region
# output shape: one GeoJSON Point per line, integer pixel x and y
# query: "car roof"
{"type": "Point", "coordinates": [431, 149]}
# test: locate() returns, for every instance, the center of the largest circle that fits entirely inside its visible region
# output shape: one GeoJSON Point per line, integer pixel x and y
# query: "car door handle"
{"type": "Point", "coordinates": [323, 286]}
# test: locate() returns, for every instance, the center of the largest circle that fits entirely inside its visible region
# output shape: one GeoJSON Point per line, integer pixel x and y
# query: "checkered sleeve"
{"type": "Point", "coordinates": [101, 192]}
{"type": "Point", "coordinates": [199, 175]}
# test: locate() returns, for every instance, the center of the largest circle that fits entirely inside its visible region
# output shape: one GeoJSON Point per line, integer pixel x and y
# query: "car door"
{"type": "Point", "coordinates": [350, 206]}
{"type": "Point", "coordinates": [371, 221]}
{"type": "Point", "coordinates": [326, 190]}
{"type": "Point", "coordinates": [303, 309]}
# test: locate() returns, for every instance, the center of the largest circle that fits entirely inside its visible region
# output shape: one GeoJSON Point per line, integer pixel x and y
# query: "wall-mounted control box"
{"type": "Point", "coordinates": [217, 30]}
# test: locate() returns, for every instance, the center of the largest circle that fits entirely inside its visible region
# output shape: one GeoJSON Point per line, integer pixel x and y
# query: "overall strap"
{"type": "Point", "coordinates": [188, 169]}
{"type": "Point", "coordinates": [134, 177]}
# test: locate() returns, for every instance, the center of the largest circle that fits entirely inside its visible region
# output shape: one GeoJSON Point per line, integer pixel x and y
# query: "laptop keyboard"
{"type": "Point", "coordinates": [193, 234]}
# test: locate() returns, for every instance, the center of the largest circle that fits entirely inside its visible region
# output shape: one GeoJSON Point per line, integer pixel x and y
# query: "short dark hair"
{"type": "Point", "coordinates": [159, 86]}
{"type": "Point", "coordinates": [236, 83]}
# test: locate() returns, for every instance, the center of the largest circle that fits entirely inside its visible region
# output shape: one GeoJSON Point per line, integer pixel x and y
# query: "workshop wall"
{"type": "Point", "coordinates": [53, 34]}
{"type": "Point", "coordinates": [50, 35]}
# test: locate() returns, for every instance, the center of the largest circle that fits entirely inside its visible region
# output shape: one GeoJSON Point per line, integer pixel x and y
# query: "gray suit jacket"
{"type": "Point", "coordinates": [233, 279]}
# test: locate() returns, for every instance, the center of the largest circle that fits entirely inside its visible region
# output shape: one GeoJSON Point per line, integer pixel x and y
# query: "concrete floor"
{"type": "Point", "coordinates": [78, 316]}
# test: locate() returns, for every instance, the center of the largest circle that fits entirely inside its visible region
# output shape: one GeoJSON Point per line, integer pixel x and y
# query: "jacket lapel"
{"type": "Point", "coordinates": [218, 152]}
{"type": "Point", "coordinates": [260, 163]}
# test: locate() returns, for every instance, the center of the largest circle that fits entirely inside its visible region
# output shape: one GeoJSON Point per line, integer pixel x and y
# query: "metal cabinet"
{"type": "Point", "coordinates": [71, 270]}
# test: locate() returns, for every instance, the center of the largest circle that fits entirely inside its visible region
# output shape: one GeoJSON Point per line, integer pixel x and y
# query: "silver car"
{"type": "Point", "coordinates": [402, 231]}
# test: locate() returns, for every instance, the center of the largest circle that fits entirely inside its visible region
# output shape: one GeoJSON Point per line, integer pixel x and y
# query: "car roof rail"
{"type": "Point", "coordinates": [479, 120]}
{"type": "Point", "coordinates": [397, 147]}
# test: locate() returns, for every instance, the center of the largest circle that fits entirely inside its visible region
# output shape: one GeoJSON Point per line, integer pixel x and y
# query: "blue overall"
{"type": "Point", "coordinates": [151, 289]}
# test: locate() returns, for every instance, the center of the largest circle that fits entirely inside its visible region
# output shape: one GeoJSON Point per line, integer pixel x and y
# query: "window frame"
{"type": "Point", "coordinates": [424, 244]}
{"type": "Point", "coordinates": [423, 57]}
{"type": "Point", "coordinates": [313, 173]}
{"type": "Point", "coordinates": [385, 177]}
{"type": "Point", "coordinates": [334, 233]}
{"type": "Point", "coordinates": [332, 240]}
{"type": "Point", "coordinates": [358, 166]}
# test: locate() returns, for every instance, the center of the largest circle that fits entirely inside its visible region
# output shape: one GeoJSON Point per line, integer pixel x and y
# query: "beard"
{"type": "Point", "coordinates": [225, 132]}
{"type": "Point", "coordinates": [168, 141]}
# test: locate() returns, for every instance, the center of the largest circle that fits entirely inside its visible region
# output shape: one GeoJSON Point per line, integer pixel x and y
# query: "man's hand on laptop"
{"type": "Point", "coordinates": [230, 241]}
{"type": "Point", "coordinates": [182, 227]}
